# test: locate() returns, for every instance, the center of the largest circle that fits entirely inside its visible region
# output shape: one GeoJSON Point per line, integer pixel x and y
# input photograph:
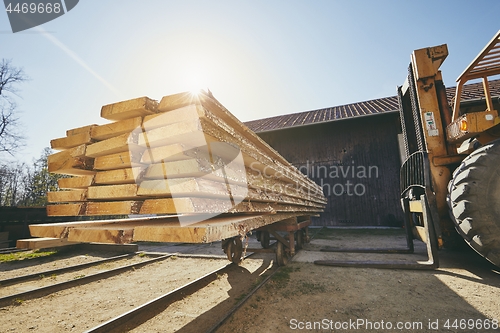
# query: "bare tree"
{"type": "Point", "coordinates": [23, 184]}
{"type": "Point", "coordinates": [11, 139]}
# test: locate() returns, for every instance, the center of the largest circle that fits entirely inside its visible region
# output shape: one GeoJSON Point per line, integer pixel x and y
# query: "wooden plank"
{"type": "Point", "coordinates": [136, 107]}
{"type": "Point", "coordinates": [171, 170]}
{"type": "Point", "coordinates": [110, 130]}
{"type": "Point", "coordinates": [196, 187]}
{"type": "Point", "coordinates": [71, 141]}
{"type": "Point", "coordinates": [95, 208]}
{"type": "Point", "coordinates": [190, 112]}
{"type": "Point", "coordinates": [127, 159]}
{"type": "Point", "coordinates": [70, 209]}
{"type": "Point", "coordinates": [190, 140]}
{"type": "Point", "coordinates": [180, 169]}
{"type": "Point", "coordinates": [120, 235]}
{"type": "Point", "coordinates": [220, 112]}
{"type": "Point", "coordinates": [122, 143]}
{"type": "Point", "coordinates": [260, 195]}
{"type": "Point", "coordinates": [62, 156]}
{"type": "Point", "coordinates": [268, 187]}
{"type": "Point", "coordinates": [176, 101]}
{"type": "Point", "coordinates": [208, 231]}
{"type": "Point", "coordinates": [42, 243]}
{"type": "Point", "coordinates": [113, 208]}
{"type": "Point", "coordinates": [79, 130]}
{"type": "Point", "coordinates": [173, 152]}
{"type": "Point", "coordinates": [218, 206]}
{"type": "Point", "coordinates": [67, 196]}
{"type": "Point", "coordinates": [80, 166]}
{"type": "Point", "coordinates": [74, 167]}
{"type": "Point", "coordinates": [189, 187]}
{"type": "Point", "coordinates": [61, 229]}
{"type": "Point", "coordinates": [200, 205]}
{"type": "Point", "coordinates": [253, 157]}
{"type": "Point", "coordinates": [119, 176]}
{"type": "Point", "coordinates": [71, 162]}
{"type": "Point", "coordinates": [189, 133]}
{"type": "Point", "coordinates": [273, 184]}
{"type": "Point", "coordinates": [207, 133]}
{"type": "Point", "coordinates": [72, 183]}
{"type": "Point", "coordinates": [115, 192]}
{"type": "Point", "coordinates": [164, 229]}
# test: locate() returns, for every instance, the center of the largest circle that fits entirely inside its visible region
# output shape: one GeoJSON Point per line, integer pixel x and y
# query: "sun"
{"type": "Point", "coordinates": [196, 81]}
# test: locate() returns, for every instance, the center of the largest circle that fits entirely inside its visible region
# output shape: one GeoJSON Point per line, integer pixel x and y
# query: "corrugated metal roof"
{"type": "Point", "coordinates": [371, 107]}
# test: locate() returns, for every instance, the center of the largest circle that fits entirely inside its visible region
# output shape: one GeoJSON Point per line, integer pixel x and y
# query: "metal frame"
{"type": "Point", "coordinates": [284, 247]}
{"type": "Point", "coordinates": [417, 198]}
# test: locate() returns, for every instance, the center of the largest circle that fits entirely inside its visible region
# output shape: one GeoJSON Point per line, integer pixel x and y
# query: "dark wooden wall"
{"type": "Point", "coordinates": [365, 144]}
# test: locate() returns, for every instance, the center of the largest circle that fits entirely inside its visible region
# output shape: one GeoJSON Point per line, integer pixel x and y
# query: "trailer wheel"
{"type": "Point", "coordinates": [282, 256]}
{"type": "Point", "coordinates": [234, 250]}
{"type": "Point", "coordinates": [264, 239]}
{"type": "Point", "coordinates": [300, 235]}
{"type": "Point", "coordinates": [474, 200]}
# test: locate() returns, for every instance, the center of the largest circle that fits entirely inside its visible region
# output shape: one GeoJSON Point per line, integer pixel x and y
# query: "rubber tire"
{"type": "Point", "coordinates": [474, 200]}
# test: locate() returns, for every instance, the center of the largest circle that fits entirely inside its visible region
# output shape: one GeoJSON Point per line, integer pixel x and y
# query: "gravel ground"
{"type": "Point", "coordinates": [460, 296]}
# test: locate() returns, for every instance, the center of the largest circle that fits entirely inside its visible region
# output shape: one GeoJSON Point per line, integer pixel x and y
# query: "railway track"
{"type": "Point", "coordinates": [147, 310]}
{"type": "Point", "coordinates": [80, 280]}
{"type": "Point", "coordinates": [141, 314]}
{"type": "Point", "coordinates": [33, 276]}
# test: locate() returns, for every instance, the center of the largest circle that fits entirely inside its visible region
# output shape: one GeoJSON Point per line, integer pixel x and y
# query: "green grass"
{"type": "Point", "coordinates": [9, 257]}
{"type": "Point", "coordinates": [309, 288]}
{"type": "Point", "coordinates": [18, 301]}
{"type": "Point", "coordinates": [240, 297]}
{"type": "Point", "coordinates": [282, 277]}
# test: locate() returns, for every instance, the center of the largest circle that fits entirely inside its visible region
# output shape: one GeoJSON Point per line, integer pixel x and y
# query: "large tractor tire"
{"type": "Point", "coordinates": [474, 200]}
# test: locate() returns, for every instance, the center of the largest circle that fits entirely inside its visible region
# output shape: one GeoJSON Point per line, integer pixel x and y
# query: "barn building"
{"type": "Point", "coordinates": [352, 151]}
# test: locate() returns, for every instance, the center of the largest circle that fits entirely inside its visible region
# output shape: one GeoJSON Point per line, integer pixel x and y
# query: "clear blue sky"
{"type": "Point", "coordinates": [259, 58]}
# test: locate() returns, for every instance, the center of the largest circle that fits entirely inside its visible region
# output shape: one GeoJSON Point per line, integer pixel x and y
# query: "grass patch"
{"type": "Point", "coordinates": [282, 277]}
{"type": "Point", "coordinates": [18, 301]}
{"type": "Point", "coordinates": [16, 256]}
{"type": "Point", "coordinates": [309, 288]}
{"type": "Point", "coordinates": [240, 297]}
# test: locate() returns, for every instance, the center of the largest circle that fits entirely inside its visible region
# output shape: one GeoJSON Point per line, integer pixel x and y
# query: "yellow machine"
{"type": "Point", "coordinates": [452, 153]}
{"type": "Point", "coordinates": [450, 178]}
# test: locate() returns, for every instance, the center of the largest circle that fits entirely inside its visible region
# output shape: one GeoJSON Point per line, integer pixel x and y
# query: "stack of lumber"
{"type": "Point", "coordinates": [186, 155]}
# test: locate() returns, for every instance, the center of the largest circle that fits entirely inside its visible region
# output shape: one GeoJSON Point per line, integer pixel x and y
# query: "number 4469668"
{"type": "Point", "coordinates": [33, 8]}
{"type": "Point", "coordinates": [471, 324]}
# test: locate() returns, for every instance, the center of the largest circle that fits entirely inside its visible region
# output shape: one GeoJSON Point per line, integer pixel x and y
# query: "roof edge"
{"type": "Point", "coordinates": [329, 121]}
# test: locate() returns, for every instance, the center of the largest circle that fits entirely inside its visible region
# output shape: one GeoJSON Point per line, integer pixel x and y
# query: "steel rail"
{"type": "Point", "coordinates": [9, 250]}
{"type": "Point", "coordinates": [150, 309]}
{"type": "Point", "coordinates": [43, 291]}
{"type": "Point", "coordinates": [240, 303]}
{"type": "Point", "coordinates": [34, 276]}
